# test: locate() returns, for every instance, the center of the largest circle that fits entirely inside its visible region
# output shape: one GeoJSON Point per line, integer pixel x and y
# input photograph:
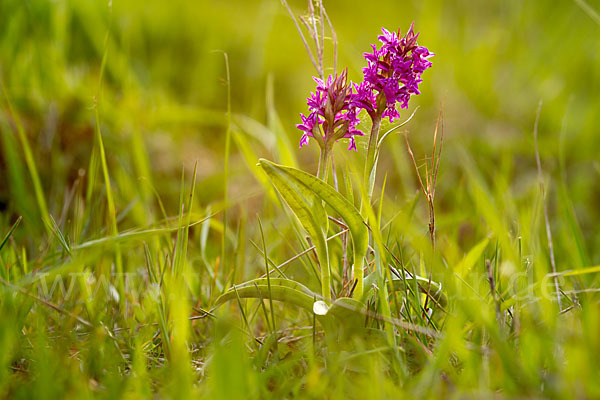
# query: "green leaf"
{"type": "Point", "coordinates": [350, 311]}
{"type": "Point", "coordinates": [343, 319]}
{"type": "Point", "coordinates": [281, 282]}
{"type": "Point", "coordinates": [306, 182]}
{"type": "Point", "coordinates": [307, 206]}
{"type": "Point", "coordinates": [344, 316]}
{"type": "Point", "coordinates": [10, 232]}
{"type": "Point", "coordinates": [284, 290]}
{"type": "Point", "coordinates": [471, 258]}
{"type": "Point", "coordinates": [284, 148]}
{"type": "Point", "coordinates": [582, 271]}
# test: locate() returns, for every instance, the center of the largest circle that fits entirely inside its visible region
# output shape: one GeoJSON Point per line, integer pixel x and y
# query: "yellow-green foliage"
{"type": "Point", "coordinates": [114, 125]}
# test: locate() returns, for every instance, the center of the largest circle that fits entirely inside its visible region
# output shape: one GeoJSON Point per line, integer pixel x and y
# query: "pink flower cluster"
{"type": "Point", "coordinates": [394, 71]}
{"type": "Point", "coordinates": [392, 75]}
{"type": "Point", "coordinates": [331, 113]}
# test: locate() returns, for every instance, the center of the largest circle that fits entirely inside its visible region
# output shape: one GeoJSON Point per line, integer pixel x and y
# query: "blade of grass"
{"type": "Point", "coordinates": [29, 160]}
{"type": "Point", "coordinates": [264, 244]}
{"type": "Point", "coordinates": [582, 271]}
{"type": "Point", "coordinates": [543, 190]}
{"type": "Point", "coordinates": [226, 166]}
{"type": "Point", "coordinates": [10, 232]}
{"type": "Point", "coordinates": [112, 213]}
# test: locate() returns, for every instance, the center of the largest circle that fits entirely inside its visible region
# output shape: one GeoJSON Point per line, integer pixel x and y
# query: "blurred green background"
{"type": "Point", "coordinates": [163, 104]}
{"type": "Point", "coordinates": [163, 99]}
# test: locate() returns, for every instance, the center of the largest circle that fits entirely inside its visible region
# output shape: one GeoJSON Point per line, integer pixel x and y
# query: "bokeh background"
{"type": "Point", "coordinates": [164, 97]}
{"type": "Point", "coordinates": [162, 106]}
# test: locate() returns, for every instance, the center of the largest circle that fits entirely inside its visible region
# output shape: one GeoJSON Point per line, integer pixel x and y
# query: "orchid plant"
{"type": "Point", "coordinates": [391, 76]}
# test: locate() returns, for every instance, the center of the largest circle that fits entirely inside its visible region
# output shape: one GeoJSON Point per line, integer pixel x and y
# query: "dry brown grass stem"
{"type": "Point", "coordinates": [315, 26]}
{"type": "Point", "coordinates": [431, 172]}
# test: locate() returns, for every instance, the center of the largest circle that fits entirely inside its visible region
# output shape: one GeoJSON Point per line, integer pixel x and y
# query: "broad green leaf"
{"type": "Point", "coordinates": [349, 189]}
{"type": "Point", "coordinates": [349, 213]}
{"type": "Point", "coordinates": [279, 292]}
{"type": "Point", "coordinates": [345, 314]}
{"type": "Point", "coordinates": [309, 209]}
{"type": "Point", "coordinates": [281, 282]}
{"type": "Point", "coordinates": [344, 318]}
{"type": "Point", "coordinates": [350, 311]}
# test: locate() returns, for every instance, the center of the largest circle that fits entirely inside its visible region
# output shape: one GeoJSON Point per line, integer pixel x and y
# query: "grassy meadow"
{"type": "Point", "coordinates": [145, 251]}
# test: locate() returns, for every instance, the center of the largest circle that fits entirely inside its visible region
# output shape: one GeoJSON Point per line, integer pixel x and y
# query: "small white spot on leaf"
{"type": "Point", "coordinates": [320, 307]}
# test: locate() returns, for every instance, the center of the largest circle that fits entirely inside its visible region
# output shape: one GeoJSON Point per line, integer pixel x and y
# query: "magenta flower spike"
{"type": "Point", "coordinates": [392, 75]}
{"type": "Point", "coordinates": [332, 116]}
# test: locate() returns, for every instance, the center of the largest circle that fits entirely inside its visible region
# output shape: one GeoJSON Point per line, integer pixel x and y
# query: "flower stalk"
{"type": "Point", "coordinates": [372, 156]}
{"type": "Point", "coordinates": [391, 77]}
{"type": "Point", "coordinates": [324, 161]}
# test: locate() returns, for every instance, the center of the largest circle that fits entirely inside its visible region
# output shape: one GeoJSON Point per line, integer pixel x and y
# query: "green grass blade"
{"type": "Point", "coordinates": [250, 159]}
{"type": "Point", "coordinates": [29, 160]}
{"type": "Point", "coordinates": [188, 220]}
{"type": "Point", "coordinates": [582, 271]}
{"type": "Point", "coordinates": [59, 235]}
{"type": "Point", "coordinates": [284, 148]}
{"type": "Point", "coordinates": [15, 173]}
{"type": "Point", "coordinates": [264, 245]}
{"type": "Point", "coordinates": [10, 232]}
{"type": "Point", "coordinates": [226, 166]}
{"type": "Point", "coordinates": [469, 260]}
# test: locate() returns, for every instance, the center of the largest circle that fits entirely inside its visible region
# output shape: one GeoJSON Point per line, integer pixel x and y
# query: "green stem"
{"type": "Point", "coordinates": [370, 166]}
{"type": "Point", "coordinates": [369, 182]}
{"type": "Point", "coordinates": [323, 163]}
{"type": "Point", "coordinates": [324, 256]}
{"type": "Point", "coordinates": [325, 274]}
{"type": "Point", "coordinates": [371, 162]}
{"type": "Point", "coordinates": [358, 274]}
